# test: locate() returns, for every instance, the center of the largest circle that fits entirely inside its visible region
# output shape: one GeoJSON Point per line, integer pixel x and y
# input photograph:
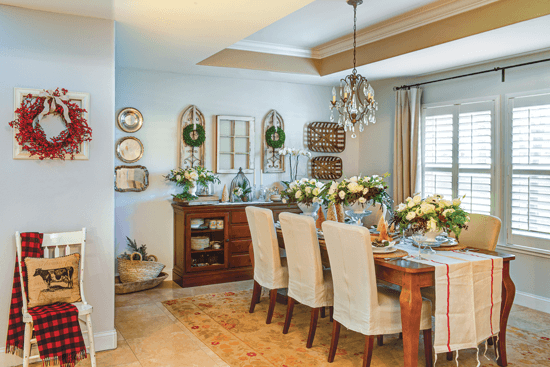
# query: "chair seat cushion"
{"type": "Point", "coordinates": [83, 309]}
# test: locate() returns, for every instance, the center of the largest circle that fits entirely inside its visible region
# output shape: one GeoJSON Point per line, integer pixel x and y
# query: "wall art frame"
{"type": "Point", "coordinates": [326, 137]}
{"type": "Point", "coordinates": [80, 98]}
{"type": "Point", "coordinates": [273, 162]}
{"type": "Point", "coordinates": [191, 156]}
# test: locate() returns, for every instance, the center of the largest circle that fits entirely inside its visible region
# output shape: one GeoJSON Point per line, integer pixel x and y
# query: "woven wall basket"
{"type": "Point", "coordinates": [137, 270]}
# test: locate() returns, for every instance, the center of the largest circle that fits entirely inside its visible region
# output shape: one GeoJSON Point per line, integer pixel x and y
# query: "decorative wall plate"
{"type": "Point", "coordinates": [326, 168]}
{"type": "Point", "coordinates": [129, 149]}
{"type": "Point", "coordinates": [131, 178]}
{"type": "Point", "coordinates": [326, 137]}
{"type": "Point", "coordinates": [273, 125]}
{"type": "Point", "coordinates": [191, 156]}
{"type": "Point", "coordinates": [129, 120]}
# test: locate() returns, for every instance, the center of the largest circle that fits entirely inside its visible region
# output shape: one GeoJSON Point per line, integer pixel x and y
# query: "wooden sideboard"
{"type": "Point", "coordinates": [211, 266]}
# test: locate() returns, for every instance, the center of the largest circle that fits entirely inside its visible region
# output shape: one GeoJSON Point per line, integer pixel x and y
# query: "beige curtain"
{"type": "Point", "coordinates": [407, 123]}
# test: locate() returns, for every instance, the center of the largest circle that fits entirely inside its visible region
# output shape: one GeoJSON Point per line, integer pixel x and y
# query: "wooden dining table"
{"type": "Point", "coordinates": [412, 277]}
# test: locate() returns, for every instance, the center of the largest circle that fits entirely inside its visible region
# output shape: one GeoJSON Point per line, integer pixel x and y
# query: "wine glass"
{"type": "Point", "coordinates": [419, 238]}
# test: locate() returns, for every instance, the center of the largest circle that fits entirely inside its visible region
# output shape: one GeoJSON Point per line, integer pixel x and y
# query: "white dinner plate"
{"type": "Point", "coordinates": [383, 250]}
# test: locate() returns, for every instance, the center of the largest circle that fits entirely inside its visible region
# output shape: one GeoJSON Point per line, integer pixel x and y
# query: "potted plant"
{"type": "Point", "coordinates": [137, 265]}
{"type": "Point", "coordinates": [431, 216]}
{"type": "Point", "coordinates": [306, 192]}
{"type": "Point", "coordinates": [189, 179]}
{"type": "Point", "coordinates": [242, 192]}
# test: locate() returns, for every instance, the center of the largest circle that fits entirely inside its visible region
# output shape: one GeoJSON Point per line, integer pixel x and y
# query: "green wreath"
{"type": "Point", "coordinates": [275, 144]}
{"type": "Point", "coordinates": [188, 138]}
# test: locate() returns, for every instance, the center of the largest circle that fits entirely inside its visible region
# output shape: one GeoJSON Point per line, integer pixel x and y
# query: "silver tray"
{"type": "Point", "coordinates": [129, 120]}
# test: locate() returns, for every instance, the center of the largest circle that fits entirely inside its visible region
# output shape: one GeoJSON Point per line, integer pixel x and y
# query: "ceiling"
{"type": "Point", "coordinates": [180, 35]}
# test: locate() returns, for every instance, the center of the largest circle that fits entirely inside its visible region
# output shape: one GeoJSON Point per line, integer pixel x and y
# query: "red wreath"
{"type": "Point", "coordinates": [31, 136]}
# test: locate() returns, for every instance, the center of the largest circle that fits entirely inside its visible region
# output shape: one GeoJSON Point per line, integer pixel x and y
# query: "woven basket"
{"type": "Point", "coordinates": [137, 270]}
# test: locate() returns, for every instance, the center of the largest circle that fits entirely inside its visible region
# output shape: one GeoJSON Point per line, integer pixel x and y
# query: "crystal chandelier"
{"type": "Point", "coordinates": [356, 104]}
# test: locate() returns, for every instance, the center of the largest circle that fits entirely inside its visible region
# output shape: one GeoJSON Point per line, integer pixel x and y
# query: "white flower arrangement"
{"type": "Point", "coordinates": [189, 178]}
{"type": "Point", "coordinates": [306, 191]}
{"type": "Point", "coordinates": [431, 214]}
{"type": "Point", "coordinates": [295, 154]}
{"type": "Point", "coordinates": [358, 189]}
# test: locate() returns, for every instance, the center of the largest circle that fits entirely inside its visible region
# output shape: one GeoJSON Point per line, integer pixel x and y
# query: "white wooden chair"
{"type": "Point", "coordinates": [55, 245]}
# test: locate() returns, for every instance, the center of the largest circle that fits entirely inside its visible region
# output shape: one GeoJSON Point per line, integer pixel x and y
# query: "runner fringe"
{"type": "Point", "coordinates": [15, 350]}
{"type": "Point", "coordinates": [477, 356]}
{"type": "Point", "coordinates": [456, 359]}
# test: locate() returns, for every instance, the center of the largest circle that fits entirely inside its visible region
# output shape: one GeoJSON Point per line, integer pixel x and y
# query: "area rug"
{"type": "Point", "coordinates": [222, 322]}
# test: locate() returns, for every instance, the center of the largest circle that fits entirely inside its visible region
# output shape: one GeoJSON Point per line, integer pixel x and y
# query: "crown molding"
{"type": "Point", "coordinates": [273, 48]}
{"type": "Point", "coordinates": [416, 18]}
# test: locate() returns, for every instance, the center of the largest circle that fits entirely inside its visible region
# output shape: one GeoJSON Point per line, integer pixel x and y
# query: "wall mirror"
{"type": "Point", "coordinates": [235, 144]}
{"type": "Point", "coordinates": [131, 178]}
{"type": "Point", "coordinates": [129, 149]}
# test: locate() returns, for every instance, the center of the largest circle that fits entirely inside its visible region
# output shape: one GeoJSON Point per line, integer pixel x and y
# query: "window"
{"type": "Point", "coordinates": [528, 157]}
{"type": "Point", "coordinates": [457, 156]}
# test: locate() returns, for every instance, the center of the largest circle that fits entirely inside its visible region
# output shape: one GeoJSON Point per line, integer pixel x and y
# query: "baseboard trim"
{"type": "Point", "coordinates": [533, 301]}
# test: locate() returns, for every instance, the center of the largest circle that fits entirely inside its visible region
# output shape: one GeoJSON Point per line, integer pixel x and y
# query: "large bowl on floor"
{"type": "Point", "coordinates": [123, 288]}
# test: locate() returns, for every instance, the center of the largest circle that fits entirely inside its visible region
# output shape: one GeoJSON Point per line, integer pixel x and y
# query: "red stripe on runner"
{"type": "Point", "coordinates": [491, 319]}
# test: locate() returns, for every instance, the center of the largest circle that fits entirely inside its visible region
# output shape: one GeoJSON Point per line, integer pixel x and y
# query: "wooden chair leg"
{"type": "Point", "coordinates": [323, 315]}
{"type": "Point", "coordinates": [334, 341]}
{"type": "Point", "coordinates": [27, 344]}
{"type": "Point", "coordinates": [490, 341]}
{"type": "Point", "coordinates": [272, 301]}
{"type": "Point", "coordinates": [369, 346]}
{"type": "Point", "coordinates": [449, 356]}
{"type": "Point", "coordinates": [91, 339]}
{"type": "Point", "coordinates": [428, 353]}
{"type": "Point", "coordinates": [401, 336]}
{"type": "Point", "coordinates": [312, 326]}
{"type": "Point", "coordinates": [380, 340]}
{"type": "Point", "coordinates": [289, 309]}
{"type": "Point", "coordinates": [331, 313]}
{"type": "Point", "coordinates": [256, 293]}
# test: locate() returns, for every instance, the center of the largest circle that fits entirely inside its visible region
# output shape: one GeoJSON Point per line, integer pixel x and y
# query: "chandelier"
{"type": "Point", "coordinates": [356, 104]}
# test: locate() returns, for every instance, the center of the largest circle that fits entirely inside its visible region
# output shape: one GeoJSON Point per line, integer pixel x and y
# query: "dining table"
{"type": "Point", "coordinates": [411, 277]}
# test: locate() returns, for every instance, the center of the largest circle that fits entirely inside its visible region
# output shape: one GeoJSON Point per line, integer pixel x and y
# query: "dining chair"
{"type": "Point", "coordinates": [359, 304]}
{"type": "Point", "coordinates": [308, 283]}
{"type": "Point", "coordinates": [482, 232]}
{"type": "Point", "coordinates": [270, 269]}
{"type": "Point", "coordinates": [378, 210]}
{"type": "Point", "coordinates": [56, 245]}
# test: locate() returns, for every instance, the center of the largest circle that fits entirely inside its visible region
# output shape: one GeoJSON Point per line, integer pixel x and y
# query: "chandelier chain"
{"type": "Point", "coordinates": [354, 32]}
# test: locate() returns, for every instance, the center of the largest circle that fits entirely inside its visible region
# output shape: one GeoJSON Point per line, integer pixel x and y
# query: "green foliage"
{"type": "Point", "coordinates": [187, 135]}
{"type": "Point", "coordinates": [133, 247]}
{"type": "Point", "coordinates": [275, 144]}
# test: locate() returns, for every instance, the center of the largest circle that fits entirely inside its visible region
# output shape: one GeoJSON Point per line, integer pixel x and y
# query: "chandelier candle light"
{"type": "Point", "coordinates": [356, 104]}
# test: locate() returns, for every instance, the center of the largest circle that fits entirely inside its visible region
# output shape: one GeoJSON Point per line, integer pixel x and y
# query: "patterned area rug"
{"type": "Point", "coordinates": [222, 322]}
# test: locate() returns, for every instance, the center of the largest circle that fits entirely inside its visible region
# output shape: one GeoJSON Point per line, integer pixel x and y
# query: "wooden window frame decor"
{"type": "Point", "coordinates": [190, 156]}
{"type": "Point", "coordinates": [273, 162]}
{"type": "Point", "coordinates": [81, 98]}
{"type": "Point", "coordinates": [326, 137]}
{"type": "Point", "coordinates": [326, 168]}
{"type": "Point", "coordinates": [249, 167]}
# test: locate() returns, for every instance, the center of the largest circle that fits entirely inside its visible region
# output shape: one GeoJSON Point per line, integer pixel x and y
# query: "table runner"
{"type": "Point", "coordinates": [468, 292]}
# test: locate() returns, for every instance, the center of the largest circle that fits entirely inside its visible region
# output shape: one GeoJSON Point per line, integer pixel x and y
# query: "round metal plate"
{"type": "Point", "coordinates": [129, 149]}
{"type": "Point", "coordinates": [130, 120]}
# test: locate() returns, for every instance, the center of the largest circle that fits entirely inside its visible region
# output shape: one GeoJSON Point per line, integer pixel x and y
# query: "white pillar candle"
{"type": "Point", "coordinates": [261, 177]}
{"type": "Point", "coordinates": [254, 174]}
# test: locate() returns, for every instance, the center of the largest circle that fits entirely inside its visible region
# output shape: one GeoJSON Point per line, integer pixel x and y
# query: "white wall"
{"type": "Point", "coordinates": [161, 98]}
{"type": "Point", "coordinates": [529, 272]}
{"type": "Point", "coordinates": [47, 50]}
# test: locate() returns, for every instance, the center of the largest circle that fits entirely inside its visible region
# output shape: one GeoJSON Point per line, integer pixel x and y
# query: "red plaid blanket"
{"type": "Point", "coordinates": [56, 326]}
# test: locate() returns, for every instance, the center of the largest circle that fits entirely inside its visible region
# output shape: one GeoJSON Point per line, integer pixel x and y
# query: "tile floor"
{"type": "Point", "coordinates": [148, 335]}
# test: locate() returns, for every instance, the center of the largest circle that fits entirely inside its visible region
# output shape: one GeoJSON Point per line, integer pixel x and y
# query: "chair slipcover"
{"type": "Point", "coordinates": [482, 232]}
{"type": "Point", "coordinates": [270, 270]}
{"type": "Point", "coordinates": [308, 283]}
{"type": "Point", "coordinates": [359, 304]}
{"type": "Point", "coordinates": [378, 210]}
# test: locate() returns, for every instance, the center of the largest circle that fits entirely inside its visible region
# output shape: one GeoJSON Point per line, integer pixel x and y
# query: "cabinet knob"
{"type": "Point", "coordinates": [227, 240]}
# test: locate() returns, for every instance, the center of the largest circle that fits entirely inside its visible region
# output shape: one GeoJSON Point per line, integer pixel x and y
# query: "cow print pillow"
{"type": "Point", "coordinates": [53, 280]}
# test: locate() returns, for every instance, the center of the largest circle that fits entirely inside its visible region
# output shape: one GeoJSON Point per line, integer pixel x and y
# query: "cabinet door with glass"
{"type": "Point", "coordinates": [235, 144]}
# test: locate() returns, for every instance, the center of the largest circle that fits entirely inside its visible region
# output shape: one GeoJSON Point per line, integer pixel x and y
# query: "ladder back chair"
{"type": "Point", "coordinates": [56, 245]}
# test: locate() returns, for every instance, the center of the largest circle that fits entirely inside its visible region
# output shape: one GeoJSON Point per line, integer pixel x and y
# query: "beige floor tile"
{"type": "Point", "coordinates": [132, 299]}
{"type": "Point", "coordinates": [119, 336]}
{"type": "Point", "coordinates": [133, 329]}
{"type": "Point", "coordinates": [530, 320]}
{"type": "Point", "coordinates": [196, 358]}
{"type": "Point", "coordinates": [516, 307]}
{"type": "Point", "coordinates": [137, 313]}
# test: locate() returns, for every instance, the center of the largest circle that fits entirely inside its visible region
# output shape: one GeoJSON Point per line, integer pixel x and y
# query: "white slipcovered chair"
{"type": "Point", "coordinates": [308, 283]}
{"type": "Point", "coordinates": [359, 304]}
{"type": "Point", "coordinates": [482, 232]}
{"type": "Point", "coordinates": [56, 245]}
{"type": "Point", "coordinates": [270, 270]}
{"type": "Point", "coordinates": [378, 210]}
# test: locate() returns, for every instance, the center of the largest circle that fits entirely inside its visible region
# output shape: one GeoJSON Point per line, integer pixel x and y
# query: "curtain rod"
{"type": "Point", "coordinates": [502, 69]}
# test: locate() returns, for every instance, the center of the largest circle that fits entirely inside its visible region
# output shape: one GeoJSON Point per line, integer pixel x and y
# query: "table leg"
{"type": "Point", "coordinates": [508, 294]}
{"type": "Point", "coordinates": [411, 306]}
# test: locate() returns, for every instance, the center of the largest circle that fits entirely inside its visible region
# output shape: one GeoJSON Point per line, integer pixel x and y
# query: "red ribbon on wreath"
{"type": "Point", "coordinates": [31, 136]}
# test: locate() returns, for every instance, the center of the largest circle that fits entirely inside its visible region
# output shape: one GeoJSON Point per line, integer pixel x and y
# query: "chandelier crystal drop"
{"type": "Point", "coordinates": [355, 101]}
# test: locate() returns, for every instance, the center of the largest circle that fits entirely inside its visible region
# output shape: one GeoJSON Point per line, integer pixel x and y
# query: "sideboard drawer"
{"type": "Point", "coordinates": [239, 231]}
{"type": "Point", "coordinates": [238, 217]}
{"type": "Point", "coordinates": [239, 246]}
{"type": "Point", "coordinates": [239, 260]}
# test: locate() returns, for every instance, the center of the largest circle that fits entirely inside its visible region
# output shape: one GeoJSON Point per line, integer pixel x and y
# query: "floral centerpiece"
{"type": "Point", "coordinates": [360, 192]}
{"type": "Point", "coordinates": [431, 215]}
{"type": "Point", "coordinates": [242, 192]}
{"type": "Point", "coordinates": [306, 192]}
{"type": "Point", "coordinates": [190, 179]}
{"type": "Point", "coordinates": [294, 154]}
